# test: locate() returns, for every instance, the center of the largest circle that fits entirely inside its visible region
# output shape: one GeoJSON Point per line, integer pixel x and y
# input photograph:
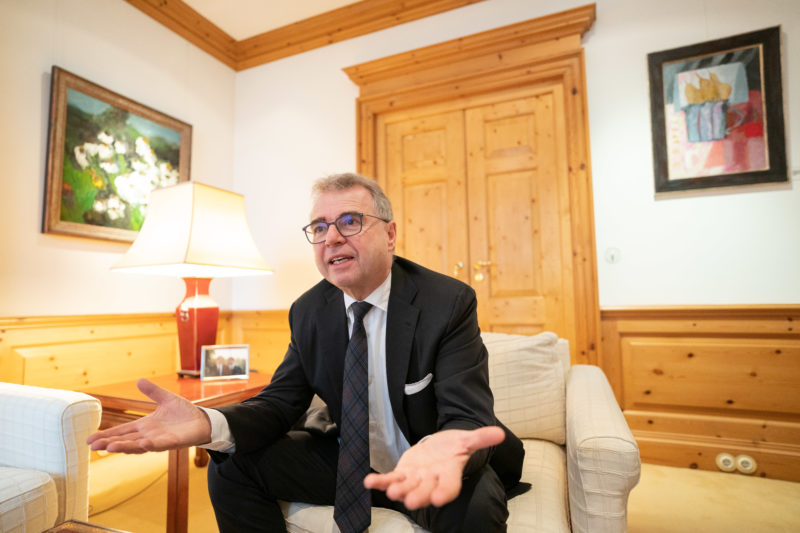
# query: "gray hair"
{"type": "Point", "coordinates": [348, 180]}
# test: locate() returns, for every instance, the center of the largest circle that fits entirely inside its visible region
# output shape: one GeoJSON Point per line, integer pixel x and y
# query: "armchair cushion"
{"type": "Point", "coordinates": [527, 377]}
{"type": "Point", "coordinates": [544, 506]}
{"type": "Point", "coordinates": [27, 500]}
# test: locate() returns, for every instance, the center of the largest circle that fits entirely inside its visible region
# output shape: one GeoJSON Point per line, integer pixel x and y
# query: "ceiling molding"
{"type": "Point", "coordinates": [327, 28]}
{"type": "Point", "coordinates": [192, 26]}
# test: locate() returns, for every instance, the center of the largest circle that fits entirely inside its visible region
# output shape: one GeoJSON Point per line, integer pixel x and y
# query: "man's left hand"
{"type": "Point", "coordinates": [430, 472]}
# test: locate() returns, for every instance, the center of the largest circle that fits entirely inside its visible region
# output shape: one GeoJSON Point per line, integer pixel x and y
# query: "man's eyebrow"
{"type": "Point", "coordinates": [322, 219]}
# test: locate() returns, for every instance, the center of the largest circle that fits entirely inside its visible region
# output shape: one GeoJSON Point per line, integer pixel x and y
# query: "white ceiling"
{"type": "Point", "coordinates": [245, 18]}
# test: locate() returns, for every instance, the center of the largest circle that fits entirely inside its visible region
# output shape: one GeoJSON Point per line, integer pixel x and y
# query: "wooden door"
{"type": "Point", "coordinates": [528, 166]}
{"type": "Point", "coordinates": [479, 193]}
{"type": "Point", "coordinates": [425, 159]}
{"type": "Point", "coordinates": [518, 208]}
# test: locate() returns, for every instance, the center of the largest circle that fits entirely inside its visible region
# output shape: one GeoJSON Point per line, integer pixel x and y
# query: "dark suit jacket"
{"type": "Point", "coordinates": [432, 328]}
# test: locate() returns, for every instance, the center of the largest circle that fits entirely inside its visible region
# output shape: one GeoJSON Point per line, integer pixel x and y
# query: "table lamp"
{"type": "Point", "coordinates": [195, 232]}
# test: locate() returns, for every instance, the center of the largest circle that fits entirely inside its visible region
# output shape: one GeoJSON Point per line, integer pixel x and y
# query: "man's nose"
{"type": "Point", "coordinates": [333, 237]}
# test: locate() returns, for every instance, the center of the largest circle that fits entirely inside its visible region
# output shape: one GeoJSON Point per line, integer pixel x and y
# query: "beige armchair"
{"type": "Point", "coordinates": [580, 457]}
{"type": "Point", "coordinates": [44, 459]}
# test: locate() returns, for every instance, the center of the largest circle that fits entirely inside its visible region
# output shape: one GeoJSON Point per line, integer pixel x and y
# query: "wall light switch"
{"type": "Point", "coordinates": [613, 256]}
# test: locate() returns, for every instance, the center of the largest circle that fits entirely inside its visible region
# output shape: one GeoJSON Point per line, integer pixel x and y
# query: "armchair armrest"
{"type": "Point", "coordinates": [603, 463]}
{"type": "Point", "coordinates": [46, 429]}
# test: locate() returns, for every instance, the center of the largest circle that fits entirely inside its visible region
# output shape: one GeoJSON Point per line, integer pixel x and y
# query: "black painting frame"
{"type": "Point", "coordinates": [773, 113]}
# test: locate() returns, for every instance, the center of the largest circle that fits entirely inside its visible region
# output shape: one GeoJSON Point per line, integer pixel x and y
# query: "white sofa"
{"type": "Point", "coordinates": [44, 459]}
{"type": "Point", "coordinates": [580, 456]}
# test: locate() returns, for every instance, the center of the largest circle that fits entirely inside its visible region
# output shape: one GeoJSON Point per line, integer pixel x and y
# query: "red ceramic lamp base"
{"type": "Point", "coordinates": [197, 317]}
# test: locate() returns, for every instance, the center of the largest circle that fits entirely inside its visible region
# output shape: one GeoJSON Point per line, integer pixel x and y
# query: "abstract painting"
{"type": "Point", "coordinates": [717, 113]}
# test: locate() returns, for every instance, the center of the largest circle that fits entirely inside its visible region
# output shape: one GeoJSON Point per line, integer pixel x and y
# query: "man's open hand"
{"type": "Point", "coordinates": [176, 423]}
{"type": "Point", "coordinates": [430, 472]}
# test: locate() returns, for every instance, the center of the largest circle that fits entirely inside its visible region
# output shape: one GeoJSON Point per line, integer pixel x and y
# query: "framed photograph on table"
{"type": "Point", "coordinates": [717, 113]}
{"type": "Point", "coordinates": [105, 154]}
{"type": "Point", "coordinates": [225, 361]}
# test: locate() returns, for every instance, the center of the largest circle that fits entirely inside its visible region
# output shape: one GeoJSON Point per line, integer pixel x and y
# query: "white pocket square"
{"type": "Point", "coordinates": [413, 388]}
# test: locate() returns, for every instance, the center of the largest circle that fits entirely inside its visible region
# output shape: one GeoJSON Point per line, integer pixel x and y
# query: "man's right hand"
{"type": "Point", "coordinates": [176, 423]}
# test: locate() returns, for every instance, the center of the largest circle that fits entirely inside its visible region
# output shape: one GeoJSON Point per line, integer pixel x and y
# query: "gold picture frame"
{"type": "Point", "coordinates": [105, 154]}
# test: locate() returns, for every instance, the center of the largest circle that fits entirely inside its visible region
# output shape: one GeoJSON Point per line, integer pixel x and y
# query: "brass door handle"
{"type": "Point", "coordinates": [479, 276]}
{"type": "Point", "coordinates": [457, 268]}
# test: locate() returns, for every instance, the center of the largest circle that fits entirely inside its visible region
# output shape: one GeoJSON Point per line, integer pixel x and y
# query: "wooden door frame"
{"type": "Point", "coordinates": [546, 49]}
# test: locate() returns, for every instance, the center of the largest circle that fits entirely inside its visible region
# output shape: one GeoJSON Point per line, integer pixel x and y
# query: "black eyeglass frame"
{"type": "Point", "coordinates": [336, 223]}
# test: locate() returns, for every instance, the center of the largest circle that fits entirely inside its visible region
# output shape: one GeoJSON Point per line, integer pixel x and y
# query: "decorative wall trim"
{"type": "Point", "coordinates": [697, 381]}
{"type": "Point", "coordinates": [327, 28]}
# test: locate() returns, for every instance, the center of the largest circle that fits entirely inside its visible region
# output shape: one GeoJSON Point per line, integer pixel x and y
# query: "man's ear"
{"type": "Point", "coordinates": [391, 230]}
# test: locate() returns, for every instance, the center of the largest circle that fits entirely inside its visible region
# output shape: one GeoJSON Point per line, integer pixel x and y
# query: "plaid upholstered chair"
{"type": "Point", "coordinates": [580, 456]}
{"type": "Point", "coordinates": [44, 459]}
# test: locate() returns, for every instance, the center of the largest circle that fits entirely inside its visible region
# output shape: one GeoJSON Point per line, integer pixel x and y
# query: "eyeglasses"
{"type": "Point", "coordinates": [348, 224]}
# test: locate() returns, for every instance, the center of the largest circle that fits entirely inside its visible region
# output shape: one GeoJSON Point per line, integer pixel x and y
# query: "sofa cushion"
{"type": "Point", "coordinates": [544, 508]}
{"type": "Point", "coordinates": [527, 377]}
{"type": "Point", "coordinates": [28, 500]}
{"type": "Point", "coordinates": [307, 518]}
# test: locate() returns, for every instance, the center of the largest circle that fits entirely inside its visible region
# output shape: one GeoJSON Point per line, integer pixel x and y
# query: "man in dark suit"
{"type": "Point", "coordinates": [216, 367]}
{"type": "Point", "coordinates": [431, 423]}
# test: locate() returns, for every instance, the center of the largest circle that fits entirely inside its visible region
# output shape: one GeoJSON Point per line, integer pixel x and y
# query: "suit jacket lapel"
{"type": "Point", "coordinates": [401, 322]}
{"type": "Point", "coordinates": [332, 342]}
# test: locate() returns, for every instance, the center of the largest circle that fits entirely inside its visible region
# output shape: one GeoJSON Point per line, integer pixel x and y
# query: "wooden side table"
{"type": "Point", "coordinates": [122, 402]}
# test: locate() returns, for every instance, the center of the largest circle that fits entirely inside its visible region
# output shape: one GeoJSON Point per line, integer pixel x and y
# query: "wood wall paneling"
{"type": "Point", "coordinates": [267, 333]}
{"type": "Point", "coordinates": [697, 381]}
{"type": "Point", "coordinates": [684, 421]}
{"type": "Point", "coordinates": [75, 352]}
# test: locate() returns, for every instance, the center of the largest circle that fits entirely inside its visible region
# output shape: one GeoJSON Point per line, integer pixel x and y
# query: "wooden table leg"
{"type": "Point", "coordinates": [178, 491]}
{"type": "Point", "coordinates": [200, 457]}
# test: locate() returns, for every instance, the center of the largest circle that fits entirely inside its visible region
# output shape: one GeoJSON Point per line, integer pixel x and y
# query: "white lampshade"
{"type": "Point", "coordinates": [194, 230]}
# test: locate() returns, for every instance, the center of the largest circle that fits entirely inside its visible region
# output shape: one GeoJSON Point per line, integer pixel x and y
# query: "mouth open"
{"type": "Point", "coordinates": [339, 259]}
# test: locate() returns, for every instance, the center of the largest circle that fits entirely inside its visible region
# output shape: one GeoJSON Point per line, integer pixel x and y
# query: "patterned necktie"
{"type": "Point", "coordinates": [352, 505]}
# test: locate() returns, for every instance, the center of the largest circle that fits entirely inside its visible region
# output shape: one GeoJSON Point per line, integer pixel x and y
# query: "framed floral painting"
{"type": "Point", "coordinates": [106, 153]}
{"type": "Point", "coordinates": [717, 113]}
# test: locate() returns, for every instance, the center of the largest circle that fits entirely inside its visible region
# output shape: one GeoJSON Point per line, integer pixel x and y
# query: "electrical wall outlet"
{"type": "Point", "coordinates": [726, 462]}
{"type": "Point", "coordinates": [746, 464]}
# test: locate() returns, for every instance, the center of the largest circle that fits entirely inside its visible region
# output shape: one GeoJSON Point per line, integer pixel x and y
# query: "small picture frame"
{"type": "Point", "coordinates": [225, 361]}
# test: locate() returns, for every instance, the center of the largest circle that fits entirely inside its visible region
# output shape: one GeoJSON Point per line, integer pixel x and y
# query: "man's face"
{"type": "Point", "coordinates": [360, 263]}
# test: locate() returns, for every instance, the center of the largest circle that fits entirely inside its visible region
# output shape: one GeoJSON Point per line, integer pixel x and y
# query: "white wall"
{"type": "Point", "coordinates": [295, 121]}
{"type": "Point", "coordinates": [116, 46]}
{"type": "Point", "coordinates": [268, 132]}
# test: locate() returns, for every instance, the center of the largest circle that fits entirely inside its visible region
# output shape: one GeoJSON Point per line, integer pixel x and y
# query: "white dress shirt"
{"type": "Point", "coordinates": [386, 442]}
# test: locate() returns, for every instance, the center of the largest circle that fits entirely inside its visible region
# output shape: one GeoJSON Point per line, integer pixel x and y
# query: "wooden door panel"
{"type": "Point", "coordinates": [512, 222]}
{"type": "Point", "coordinates": [424, 178]}
{"type": "Point", "coordinates": [504, 313]}
{"type": "Point", "coordinates": [425, 225]}
{"type": "Point", "coordinates": [516, 195]}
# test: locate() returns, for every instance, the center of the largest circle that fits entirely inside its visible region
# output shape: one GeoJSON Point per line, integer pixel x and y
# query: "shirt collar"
{"type": "Point", "coordinates": [378, 298]}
